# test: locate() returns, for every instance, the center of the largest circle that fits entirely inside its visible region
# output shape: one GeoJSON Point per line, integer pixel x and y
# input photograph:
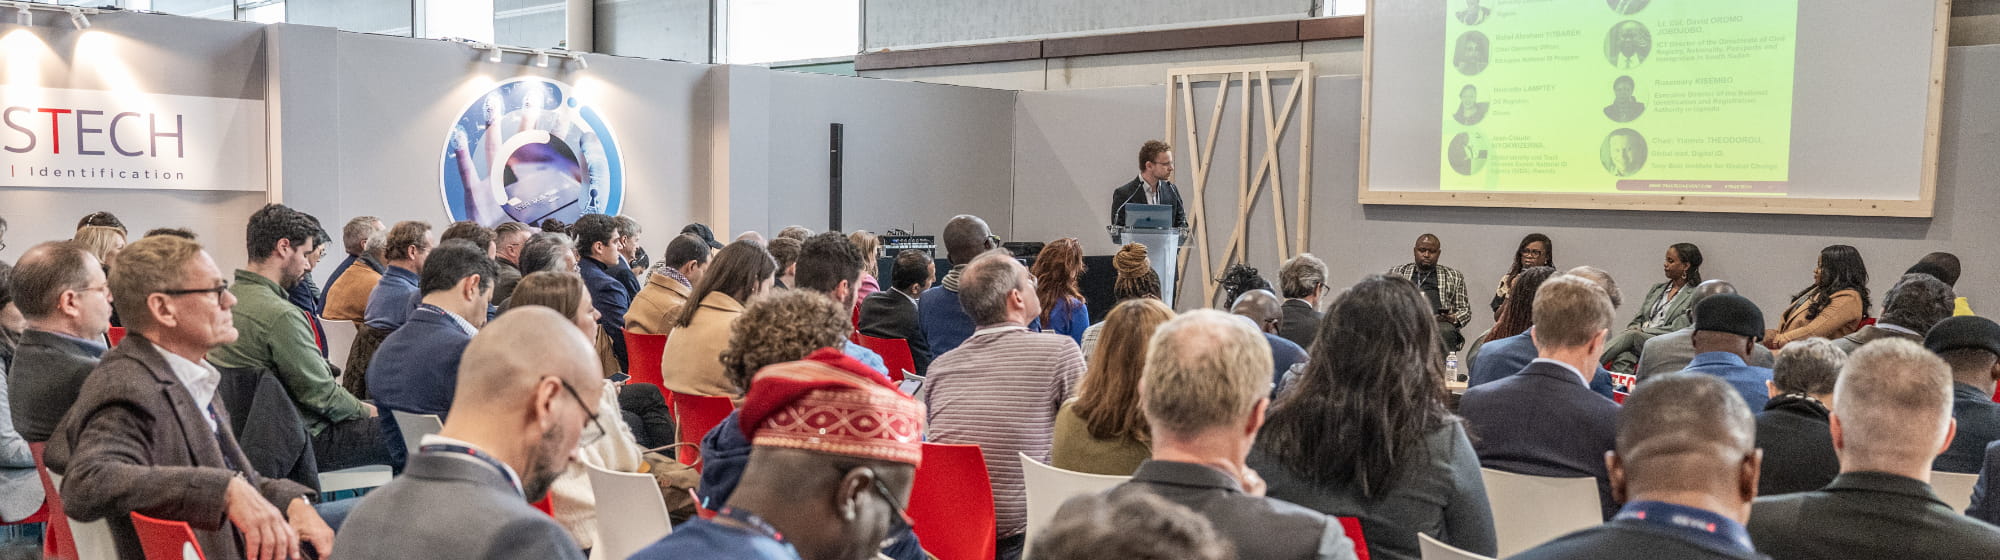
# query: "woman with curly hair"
{"type": "Point", "coordinates": [1236, 280]}
{"type": "Point", "coordinates": [1535, 250]}
{"type": "Point", "coordinates": [1056, 271]}
{"type": "Point", "coordinates": [1102, 430]}
{"type": "Point", "coordinates": [1833, 306]}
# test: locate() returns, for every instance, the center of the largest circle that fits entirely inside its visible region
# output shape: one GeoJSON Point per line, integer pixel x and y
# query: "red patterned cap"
{"type": "Point", "coordinates": [831, 403]}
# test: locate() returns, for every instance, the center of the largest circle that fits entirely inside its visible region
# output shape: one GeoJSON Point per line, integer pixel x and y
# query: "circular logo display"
{"type": "Point", "coordinates": [528, 150]}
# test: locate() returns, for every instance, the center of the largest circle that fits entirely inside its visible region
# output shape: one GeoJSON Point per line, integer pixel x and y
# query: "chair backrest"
{"type": "Point", "coordinates": [951, 503]}
{"type": "Point", "coordinates": [93, 539]}
{"type": "Point", "coordinates": [895, 354]}
{"type": "Point", "coordinates": [57, 542]}
{"type": "Point", "coordinates": [643, 352]}
{"type": "Point", "coordinates": [166, 540]}
{"type": "Point", "coordinates": [1351, 526]}
{"type": "Point", "coordinates": [1954, 488]}
{"type": "Point", "coordinates": [1049, 487]}
{"type": "Point", "coordinates": [1531, 510]}
{"type": "Point", "coordinates": [414, 427]}
{"type": "Point", "coordinates": [1433, 549]}
{"type": "Point", "coordinates": [694, 417]}
{"type": "Point", "coordinates": [339, 341]}
{"type": "Point", "coordinates": [630, 512]}
{"type": "Point", "coordinates": [115, 335]}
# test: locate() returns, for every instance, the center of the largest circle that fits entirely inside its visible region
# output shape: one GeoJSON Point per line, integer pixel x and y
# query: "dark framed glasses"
{"type": "Point", "coordinates": [218, 290]}
{"type": "Point", "coordinates": [589, 436]}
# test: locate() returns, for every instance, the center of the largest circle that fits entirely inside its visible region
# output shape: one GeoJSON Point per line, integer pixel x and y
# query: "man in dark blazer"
{"type": "Point", "coordinates": [1686, 468]}
{"type": "Point", "coordinates": [1303, 281]}
{"type": "Point", "coordinates": [1971, 345]}
{"type": "Point", "coordinates": [892, 313]}
{"type": "Point", "coordinates": [1502, 358]}
{"type": "Point", "coordinates": [416, 368]}
{"type": "Point", "coordinates": [1545, 420]}
{"type": "Point", "coordinates": [1892, 414]}
{"type": "Point", "coordinates": [61, 289]}
{"type": "Point", "coordinates": [1986, 493]}
{"type": "Point", "coordinates": [526, 399]}
{"type": "Point", "coordinates": [146, 434]}
{"type": "Point", "coordinates": [1794, 429]}
{"type": "Point", "coordinates": [1152, 186]}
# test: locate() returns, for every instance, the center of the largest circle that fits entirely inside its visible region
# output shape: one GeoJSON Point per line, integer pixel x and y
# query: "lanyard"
{"type": "Point", "coordinates": [477, 455]}
{"type": "Point", "coordinates": [752, 522]}
{"type": "Point", "coordinates": [1697, 523]}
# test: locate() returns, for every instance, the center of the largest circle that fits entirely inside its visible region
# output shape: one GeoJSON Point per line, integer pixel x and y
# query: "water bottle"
{"type": "Point", "coordinates": [1451, 367]}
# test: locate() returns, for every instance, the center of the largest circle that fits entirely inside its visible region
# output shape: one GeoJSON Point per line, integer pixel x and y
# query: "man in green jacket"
{"type": "Point", "coordinates": [274, 335]}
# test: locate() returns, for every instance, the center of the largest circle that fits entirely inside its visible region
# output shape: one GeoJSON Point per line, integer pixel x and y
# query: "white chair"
{"type": "Point", "coordinates": [1433, 549]}
{"type": "Point", "coordinates": [1954, 488]}
{"type": "Point", "coordinates": [355, 478]}
{"type": "Point", "coordinates": [339, 340]}
{"type": "Point", "coordinates": [414, 427]}
{"type": "Point", "coordinates": [1049, 487]}
{"type": "Point", "coordinates": [93, 539]}
{"type": "Point", "coordinates": [1531, 510]}
{"type": "Point", "coordinates": [630, 513]}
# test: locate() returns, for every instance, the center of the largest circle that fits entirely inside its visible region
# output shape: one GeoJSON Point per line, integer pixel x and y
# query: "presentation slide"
{"type": "Point", "coordinates": [1618, 95]}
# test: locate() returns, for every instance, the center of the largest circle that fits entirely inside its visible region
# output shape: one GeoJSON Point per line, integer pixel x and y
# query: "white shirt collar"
{"type": "Point", "coordinates": [434, 439]}
{"type": "Point", "coordinates": [906, 295]}
{"type": "Point", "coordinates": [462, 323]}
{"type": "Point", "coordinates": [998, 329]}
{"type": "Point", "coordinates": [1572, 369]}
{"type": "Point", "coordinates": [200, 380]}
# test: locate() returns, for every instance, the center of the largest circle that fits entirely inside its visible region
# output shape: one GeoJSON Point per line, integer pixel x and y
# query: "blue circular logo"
{"type": "Point", "coordinates": [527, 151]}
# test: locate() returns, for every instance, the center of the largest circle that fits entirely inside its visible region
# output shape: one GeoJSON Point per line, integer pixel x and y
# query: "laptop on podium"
{"type": "Point", "coordinates": [1155, 216]}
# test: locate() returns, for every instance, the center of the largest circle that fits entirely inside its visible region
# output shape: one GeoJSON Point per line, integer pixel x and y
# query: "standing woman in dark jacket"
{"type": "Point", "coordinates": [1364, 432]}
{"type": "Point", "coordinates": [1535, 250]}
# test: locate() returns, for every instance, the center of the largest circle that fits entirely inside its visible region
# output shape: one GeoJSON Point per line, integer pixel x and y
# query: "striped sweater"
{"type": "Point", "coordinates": [1001, 390]}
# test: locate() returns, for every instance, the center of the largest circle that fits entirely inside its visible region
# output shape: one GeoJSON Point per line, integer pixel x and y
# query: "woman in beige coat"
{"type": "Point", "coordinates": [691, 363]}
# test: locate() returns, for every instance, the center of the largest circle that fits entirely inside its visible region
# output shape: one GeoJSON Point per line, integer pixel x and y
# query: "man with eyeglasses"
{"type": "Point", "coordinates": [1303, 281]}
{"type": "Point", "coordinates": [836, 448]}
{"type": "Point", "coordinates": [1443, 286]}
{"type": "Point", "coordinates": [148, 433]}
{"type": "Point", "coordinates": [61, 290]}
{"type": "Point", "coordinates": [522, 406]}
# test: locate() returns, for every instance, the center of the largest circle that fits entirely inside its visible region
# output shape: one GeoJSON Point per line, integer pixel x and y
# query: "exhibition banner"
{"type": "Point", "coordinates": [530, 150]}
{"type": "Point", "coordinates": [74, 138]}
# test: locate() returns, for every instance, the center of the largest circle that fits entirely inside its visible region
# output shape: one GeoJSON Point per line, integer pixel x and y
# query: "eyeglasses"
{"type": "Point", "coordinates": [899, 524]}
{"type": "Point", "coordinates": [218, 290]}
{"type": "Point", "coordinates": [589, 436]}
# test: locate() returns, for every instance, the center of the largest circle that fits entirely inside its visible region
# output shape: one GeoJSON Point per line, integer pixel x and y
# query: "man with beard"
{"type": "Point", "coordinates": [521, 408]}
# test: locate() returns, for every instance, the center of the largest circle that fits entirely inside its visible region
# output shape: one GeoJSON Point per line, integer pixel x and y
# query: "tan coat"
{"type": "Point", "coordinates": [347, 300]}
{"type": "Point", "coordinates": [656, 306]}
{"type": "Point", "coordinates": [1841, 317]}
{"type": "Point", "coordinates": [692, 361]}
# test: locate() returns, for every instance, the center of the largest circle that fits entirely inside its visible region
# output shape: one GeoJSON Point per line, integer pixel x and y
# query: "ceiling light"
{"type": "Point", "coordinates": [23, 16]}
{"type": "Point", "coordinates": [493, 54]}
{"type": "Point", "coordinates": [541, 59]}
{"type": "Point", "coordinates": [76, 18]}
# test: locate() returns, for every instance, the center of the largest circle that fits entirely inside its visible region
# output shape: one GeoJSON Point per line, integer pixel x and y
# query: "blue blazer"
{"type": "Point", "coordinates": [1543, 421]}
{"type": "Point", "coordinates": [944, 323]}
{"type": "Point", "coordinates": [416, 371]}
{"type": "Point", "coordinates": [1986, 493]}
{"type": "Point", "coordinates": [1978, 425]}
{"type": "Point", "coordinates": [1747, 379]}
{"type": "Point", "coordinates": [394, 296]}
{"type": "Point", "coordinates": [1504, 357]}
{"type": "Point", "coordinates": [611, 296]}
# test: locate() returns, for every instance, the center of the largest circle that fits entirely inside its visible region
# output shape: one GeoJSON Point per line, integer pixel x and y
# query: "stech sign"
{"type": "Point", "coordinates": [99, 139]}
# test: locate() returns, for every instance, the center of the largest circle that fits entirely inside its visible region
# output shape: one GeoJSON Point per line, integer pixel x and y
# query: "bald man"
{"type": "Point", "coordinates": [1268, 312]}
{"type": "Point", "coordinates": [944, 322]}
{"type": "Point", "coordinates": [1891, 418]}
{"type": "Point", "coordinates": [1673, 351]}
{"type": "Point", "coordinates": [1686, 466]}
{"type": "Point", "coordinates": [521, 407]}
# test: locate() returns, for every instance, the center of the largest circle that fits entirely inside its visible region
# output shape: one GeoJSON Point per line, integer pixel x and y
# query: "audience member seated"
{"type": "Point", "coordinates": [702, 231]}
{"type": "Point", "coordinates": [62, 291]}
{"type": "Point", "coordinates": [1985, 503]}
{"type": "Point", "coordinates": [1971, 346]}
{"type": "Point", "coordinates": [668, 285]}
{"type": "Point", "coordinates": [1794, 428]}
{"type": "Point", "coordinates": [1205, 395]}
{"type": "Point", "coordinates": [1507, 356]}
{"type": "Point", "coordinates": [524, 403]}
{"type": "Point", "coordinates": [416, 368]}
{"type": "Point", "coordinates": [1056, 271]}
{"type": "Point", "coordinates": [479, 236]}
{"type": "Point", "coordinates": [1103, 429]}
{"type": "Point", "coordinates": [1302, 280]}
{"type": "Point", "coordinates": [1726, 327]}
{"type": "Point", "coordinates": [597, 242]}
{"type": "Point", "coordinates": [548, 252]}
{"type": "Point", "coordinates": [145, 434]}
{"type": "Point", "coordinates": [644, 407]}
{"type": "Point", "coordinates": [508, 240]}
{"type": "Point", "coordinates": [274, 336]}
{"type": "Point", "coordinates": [1665, 309]}
{"type": "Point", "coordinates": [1442, 286]}
{"type": "Point", "coordinates": [1514, 320]}
{"type": "Point", "coordinates": [1535, 250]}
{"type": "Point", "coordinates": [1945, 267]}
{"type": "Point", "coordinates": [354, 280]}
{"type": "Point", "coordinates": [828, 264]}
{"type": "Point", "coordinates": [834, 493]}
{"type": "Point", "coordinates": [1138, 525]}
{"type": "Point", "coordinates": [1545, 420]}
{"type": "Point", "coordinates": [892, 313]}
{"type": "Point", "coordinates": [20, 486]}
{"type": "Point", "coordinates": [868, 246]}
{"type": "Point", "coordinates": [1363, 432]}
{"type": "Point", "coordinates": [944, 322]}
{"type": "Point", "coordinates": [1833, 306]}
{"type": "Point", "coordinates": [1916, 303]}
{"type": "Point", "coordinates": [1000, 389]}
{"type": "Point", "coordinates": [303, 294]}
{"type": "Point", "coordinates": [785, 250]}
{"type": "Point", "coordinates": [1240, 279]}
{"type": "Point", "coordinates": [1671, 352]}
{"type": "Point", "coordinates": [389, 305]}
{"type": "Point", "coordinates": [629, 251]}
{"type": "Point", "coordinates": [797, 232]}
{"type": "Point", "coordinates": [1891, 417]}
{"type": "Point", "coordinates": [1136, 279]}
{"type": "Point", "coordinates": [1686, 467]}
{"type": "Point", "coordinates": [701, 329]}
{"type": "Point", "coordinates": [1265, 310]}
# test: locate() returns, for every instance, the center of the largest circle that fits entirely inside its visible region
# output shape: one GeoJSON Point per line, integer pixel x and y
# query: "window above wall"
{"type": "Point", "coordinates": [767, 31]}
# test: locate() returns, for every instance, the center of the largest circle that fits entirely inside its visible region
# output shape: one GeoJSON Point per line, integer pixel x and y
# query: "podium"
{"type": "Point", "coordinates": [1163, 248]}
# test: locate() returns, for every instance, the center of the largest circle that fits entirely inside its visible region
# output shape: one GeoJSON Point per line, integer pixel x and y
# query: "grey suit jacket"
{"type": "Point", "coordinates": [1301, 323]}
{"type": "Point", "coordinates": [20, 485]}
{"type": "Point", "coordinates": [447, 507]}
{"type": "Point", "coordinates": [1872, 333]}
{"type": "Point", "coordinates": [1258, 527]}
{"type": "Point", "coordinates": [48, 371]}
{"type": "Point", "coordinates": [1673, 351]}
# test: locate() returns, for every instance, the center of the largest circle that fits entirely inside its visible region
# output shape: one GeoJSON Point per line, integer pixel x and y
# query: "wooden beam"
{"type": "Point", "coordinates": [946, 56]}
{"type": "Point", "coordinates": [1174, 39]}
{"type": "Point", "coordinates": [1342, 27]}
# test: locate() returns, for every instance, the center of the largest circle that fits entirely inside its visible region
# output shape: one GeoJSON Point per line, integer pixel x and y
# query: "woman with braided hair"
{"type": "Point", "coordinates": [1136, 279]}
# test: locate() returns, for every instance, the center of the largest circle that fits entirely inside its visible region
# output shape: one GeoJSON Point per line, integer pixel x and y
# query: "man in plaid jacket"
{"type": "Point", "coordinates": [1444, 287]}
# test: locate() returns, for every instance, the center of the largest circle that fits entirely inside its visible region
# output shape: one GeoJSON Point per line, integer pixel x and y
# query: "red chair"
{"type": "Point", "coordinates": [115, 335]}
{"type": "Point", "coordinates": [694, 417]}
{"type": "Point", "coordinates": [643, 353]}
{"type": "Point", "coordinates": [895, 354]}
{"type": "Point", "coordinates": [1353, 527]}
{"type": "Point", "coordinates": [57, 543]}
{"type": "Point", "coordinates": [165, 540]}
{"type": "Point", "coordinates": [547, 505]}
{"type": "Point", "coordinates": [951, 503]}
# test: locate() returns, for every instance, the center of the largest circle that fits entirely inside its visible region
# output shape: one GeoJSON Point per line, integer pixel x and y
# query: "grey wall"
{"type": "Point", "coordinates": [901, 23]}
{"type": "Point", "coordinates": [668, 29]}
{"type": "Point", "coordinates": [1067, 167]}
